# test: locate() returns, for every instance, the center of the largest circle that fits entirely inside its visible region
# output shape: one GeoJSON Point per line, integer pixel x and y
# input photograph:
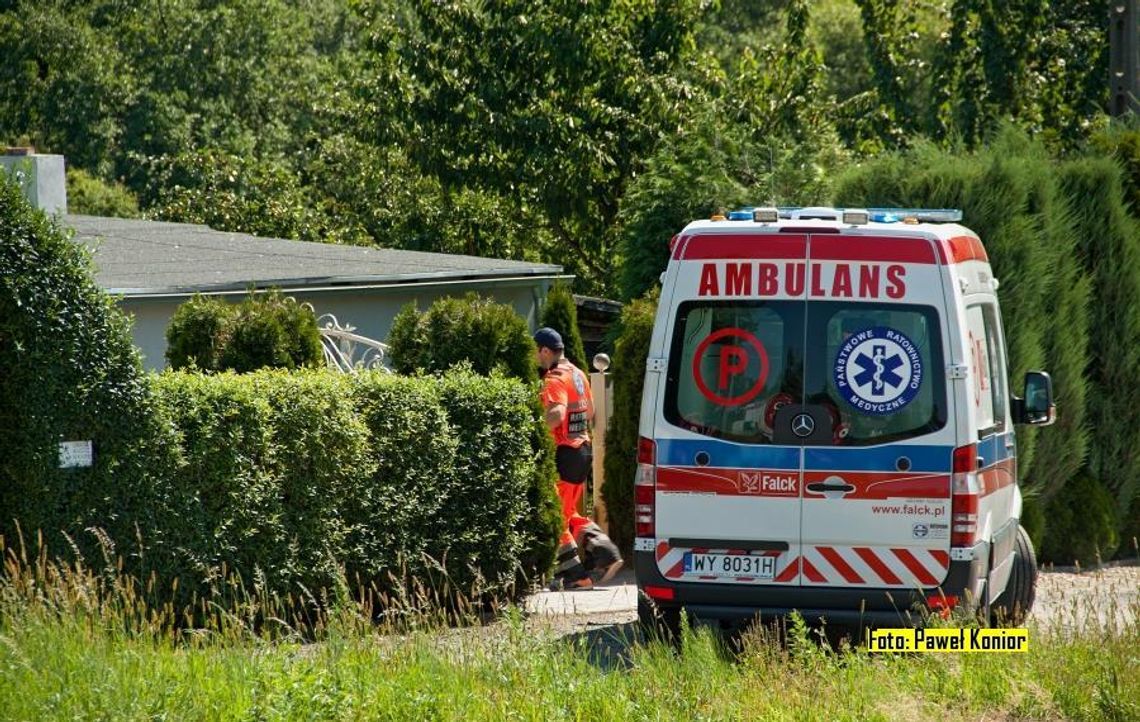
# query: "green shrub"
{"type": "Point", "coordinates": [88, 195]}
{"type": "Point", "coordinates": [1081, 524]}
{"type": "Point", "coordinates": [392, 516]}
{"type": "Point", "coordinates": [197, 333]}
{"type": "Point", "coordinates": [561, 314]}
{"type": "Point", "coordinates": [487, 335]}
{"type": "Point", "coordinates": [227, 489]}
{"type": "Point", "coordinates": [264, 331]}
{"type": "Point", "coordinates": [500, 474]}
{"type": "Point", "coordinates": [272, 331]}
{"type": "Point", "coordinates": [630, 352]}
{"type": "Point", "coordinates": [68, 371]}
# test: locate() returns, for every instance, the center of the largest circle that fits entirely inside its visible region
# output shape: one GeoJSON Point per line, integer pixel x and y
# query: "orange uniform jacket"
{"type": "Point", "coordinates": [566, 384]}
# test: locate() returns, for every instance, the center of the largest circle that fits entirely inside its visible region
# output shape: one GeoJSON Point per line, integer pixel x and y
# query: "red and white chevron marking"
{"type": "Point", "coordinates": [671, 563]}
{"type": "Point", "coordinates": [874, 567]}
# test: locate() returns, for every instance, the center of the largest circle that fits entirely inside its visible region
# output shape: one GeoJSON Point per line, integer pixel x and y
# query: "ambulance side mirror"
{"type": "Point", "coordinates": [1037, 407]}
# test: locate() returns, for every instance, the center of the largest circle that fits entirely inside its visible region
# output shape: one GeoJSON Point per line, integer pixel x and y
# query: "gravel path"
{"type": "Point", "coordinates": [1065, 601]}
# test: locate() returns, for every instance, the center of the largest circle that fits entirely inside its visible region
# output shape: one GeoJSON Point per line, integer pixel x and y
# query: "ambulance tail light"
{"type": "Point", "coordinates": [645, 489]}
{"type": "Point", "coordinates": [964, 497]}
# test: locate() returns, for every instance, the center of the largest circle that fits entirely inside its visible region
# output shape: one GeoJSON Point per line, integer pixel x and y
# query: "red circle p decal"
{"type": "Point", "coordinates": [734, 360]}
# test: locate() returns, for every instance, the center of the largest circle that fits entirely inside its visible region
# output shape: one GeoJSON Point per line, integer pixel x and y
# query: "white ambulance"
{"type": "Point", "coordinates": [827, 425]}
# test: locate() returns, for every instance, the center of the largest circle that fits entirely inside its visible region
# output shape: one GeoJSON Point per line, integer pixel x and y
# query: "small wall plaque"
{"type": "Point", "coordinates": [75, 454]}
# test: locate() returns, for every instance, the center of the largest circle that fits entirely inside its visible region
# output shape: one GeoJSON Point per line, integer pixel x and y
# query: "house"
{"type": "Point", "coordinates": [152, 267]}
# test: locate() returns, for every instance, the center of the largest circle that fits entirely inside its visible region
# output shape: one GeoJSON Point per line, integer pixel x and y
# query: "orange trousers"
{"type": "Point", "coordinates": [571, 495]}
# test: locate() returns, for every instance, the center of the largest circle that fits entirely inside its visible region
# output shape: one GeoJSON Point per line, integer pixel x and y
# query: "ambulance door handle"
{"type": "Point", "coordinates": [981, 462]}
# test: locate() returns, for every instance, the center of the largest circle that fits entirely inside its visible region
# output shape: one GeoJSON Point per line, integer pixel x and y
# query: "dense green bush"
{"type": "Point", "coordinates": [88, 195]}
{"type": "Point", "coordinates": [561, 314]}
{"type": "Point", "coordinates": [272, 331]}
{"type": "Point", "coordinates": [503, 463]}
{"type": "Point", "coordinates": [226, 489]}
{"type": "Point", "coordinates": [488, 335]}
{"type": "Point", "coordinates": [68, 372]}
{"type": "Point", "coordinates": [197, 333]}
{"type": "Point", "coordinates": [1109, 252]}
{"type": "Point", "coordinates": [1081, 524]}
{"type": "Point", "coordinates": [1011, 195]}
{"type": "Point", "coordinates": [630, 352]}
{"type": "Point", "coordinates": [264, 331]}
{"type": "Point", "coordinates": [293, 479]}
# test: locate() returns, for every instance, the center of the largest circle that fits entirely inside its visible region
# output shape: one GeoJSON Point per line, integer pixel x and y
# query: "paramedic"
{"type": "Point", "coordinates": [569, 408]}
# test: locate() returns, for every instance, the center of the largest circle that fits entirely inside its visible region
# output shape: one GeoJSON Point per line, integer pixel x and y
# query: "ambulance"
{"type": "Point", "coordinates": [827, 424]}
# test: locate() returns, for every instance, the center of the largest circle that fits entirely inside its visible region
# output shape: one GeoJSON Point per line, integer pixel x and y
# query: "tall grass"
{"type": "Point", "coordinates": [82, 643]}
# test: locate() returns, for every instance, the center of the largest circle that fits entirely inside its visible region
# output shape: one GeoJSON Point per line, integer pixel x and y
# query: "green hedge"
{"type": "Point", "coordinates": [630, 352]}
{"type": "Point", "coordinates": [292, 479]}
{"type": "Point", "coordinates": [1109, 253]}
{"type": "Point", "coordinates": [69, 372]}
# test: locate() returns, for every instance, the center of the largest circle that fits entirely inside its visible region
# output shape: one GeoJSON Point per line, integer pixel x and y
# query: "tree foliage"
{"type": "Point", "coordinates": [561, 314]}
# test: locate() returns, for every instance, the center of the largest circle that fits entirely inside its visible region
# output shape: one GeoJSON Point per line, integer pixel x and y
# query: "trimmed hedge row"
{"type": "Point", "coordinates": [295, 478]}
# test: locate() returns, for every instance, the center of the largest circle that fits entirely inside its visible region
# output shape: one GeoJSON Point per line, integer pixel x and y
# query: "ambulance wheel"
{"type": "Point", "coordinates": [1013, 605]}
{"type": "Point", "coordinates": [658, 622]}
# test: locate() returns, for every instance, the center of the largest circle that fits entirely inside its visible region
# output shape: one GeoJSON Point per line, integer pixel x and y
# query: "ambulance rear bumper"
{"type": "Point", "coordinates": [860, 607]}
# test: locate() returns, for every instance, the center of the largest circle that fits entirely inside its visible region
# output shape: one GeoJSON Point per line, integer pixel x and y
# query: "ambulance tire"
{"type": "Point", "coordinates": [1014, 604]}
{"type": "Point", "coordinates": [658, 623]}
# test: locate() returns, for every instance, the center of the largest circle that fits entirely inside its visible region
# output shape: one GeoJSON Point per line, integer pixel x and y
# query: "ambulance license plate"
{"type": "Point", "coordinates": [730, 565]}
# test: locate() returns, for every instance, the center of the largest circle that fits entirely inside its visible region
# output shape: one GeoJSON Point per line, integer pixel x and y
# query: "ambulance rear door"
{"type": "Point", "coordinates": [728, 489]}
{"type": "Point", "coordinates": [876, 486]}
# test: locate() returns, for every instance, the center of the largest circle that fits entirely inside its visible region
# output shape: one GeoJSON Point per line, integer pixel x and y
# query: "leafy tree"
{"type": "Point", "coordinates": [1040, 64]}
{"type": "Point", "coordinates": [553, 105]}
{"type": "Point", "coordinates": [763, 140]}
{"type": "Point", "coordinates": [561, 314]}
{"type": "Point", "coordinates": [64, 84]}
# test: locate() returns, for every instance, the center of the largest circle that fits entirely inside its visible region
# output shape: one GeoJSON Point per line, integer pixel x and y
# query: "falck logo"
{"type": "Point", "coordinates": [803, 425]}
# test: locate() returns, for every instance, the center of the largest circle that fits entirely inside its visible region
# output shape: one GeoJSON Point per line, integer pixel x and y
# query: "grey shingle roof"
{"type": "Point", "coordinates": [137, 257]}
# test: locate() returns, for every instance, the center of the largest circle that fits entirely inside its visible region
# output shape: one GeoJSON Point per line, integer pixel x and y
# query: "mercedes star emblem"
{"type": "Point", "coordinates": [803, 425]}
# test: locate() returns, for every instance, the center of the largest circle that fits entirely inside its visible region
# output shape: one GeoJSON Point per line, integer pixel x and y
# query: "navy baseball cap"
{"type": "Point", "coordinates": [548, 338]}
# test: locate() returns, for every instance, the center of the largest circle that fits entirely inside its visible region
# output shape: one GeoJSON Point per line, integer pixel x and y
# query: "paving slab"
{"type": "Point", "coordinates": [617, 595]}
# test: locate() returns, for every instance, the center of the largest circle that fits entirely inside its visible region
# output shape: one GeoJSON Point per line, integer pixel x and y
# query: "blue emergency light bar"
{"type": "Point", "coordinates": [855, 216]}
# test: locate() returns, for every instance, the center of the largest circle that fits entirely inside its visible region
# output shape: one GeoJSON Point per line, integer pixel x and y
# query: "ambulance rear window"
{"type": "Point", "coordinates": [731, 363]}
{"type": "Point", "coordinates": [874, 367]}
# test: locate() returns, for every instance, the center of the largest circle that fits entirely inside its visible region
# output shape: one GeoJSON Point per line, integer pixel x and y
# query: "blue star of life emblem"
{"type": "Point", "coordinates": [878, 370]}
